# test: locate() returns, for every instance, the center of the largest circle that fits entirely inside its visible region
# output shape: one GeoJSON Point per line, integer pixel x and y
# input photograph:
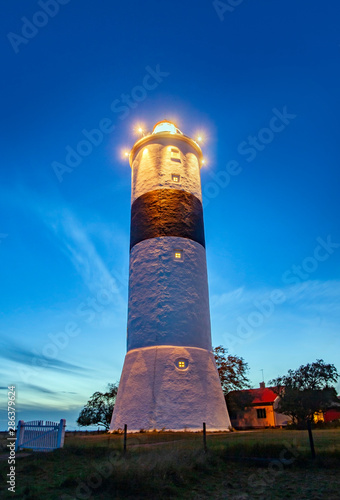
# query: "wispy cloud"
{"type": "Point", "coordinates": [40, 389]}
{"type": "Point", "coordinates": [76, 244]}
{"type": "Point", "coordinates": [19, 354]}
{"type": "Point", "coordinates": [43, 390]}
{"type": "Point", "coordinates": [305, 310]}
{"type": "Point", "coordinates": [73, 238]}
{"type": "Point", "coordinates": [308, 293]}
{"type": "Point", "coordinates": [40, 408]}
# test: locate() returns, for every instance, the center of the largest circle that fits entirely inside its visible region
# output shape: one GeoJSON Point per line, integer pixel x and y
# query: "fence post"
{"type": "Point", "coordinates": [61, 433]}
{"type": "Point", "coordinates": [19, 432]}
{"type": "Point", "coordinates": [310, 435]}
{"type": "Point", "coordinates": [125, 431]}
{"type": "Point", "coordinates": [204, 438]}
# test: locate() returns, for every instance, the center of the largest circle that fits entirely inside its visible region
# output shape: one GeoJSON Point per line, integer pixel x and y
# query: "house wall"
{"type": "Point", "coordinates": [331, 415]}
{"type": "Point", "coordinates": [248, 418]}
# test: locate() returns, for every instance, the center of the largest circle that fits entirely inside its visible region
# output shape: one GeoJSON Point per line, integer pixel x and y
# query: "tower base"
{"type": "Point", "coordinates": [154, 393]}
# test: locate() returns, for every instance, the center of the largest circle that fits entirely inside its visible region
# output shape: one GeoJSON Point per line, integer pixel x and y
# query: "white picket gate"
{"type": "Point", "coordinates": [40, 436]}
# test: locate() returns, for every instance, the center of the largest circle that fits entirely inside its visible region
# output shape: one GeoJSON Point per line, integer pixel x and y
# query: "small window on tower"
{"type": "Point", "coordinates": [174, 154]}
{"type": "Point", "coordinates": [178, 255]}
{"type": "Point", "coordinates": [181, 363]}
{"type": "Point", "coordinates": [175, 177]}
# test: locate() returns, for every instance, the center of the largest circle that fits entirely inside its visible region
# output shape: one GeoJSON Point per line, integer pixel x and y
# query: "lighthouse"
{"type": "Point", "coordinates": [169, 378]}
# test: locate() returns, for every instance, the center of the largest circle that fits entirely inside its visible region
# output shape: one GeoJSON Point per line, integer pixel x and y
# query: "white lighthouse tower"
{"type": "Point", "coordinates": [169, 378]}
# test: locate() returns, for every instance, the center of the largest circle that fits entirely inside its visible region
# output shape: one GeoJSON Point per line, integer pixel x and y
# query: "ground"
{"type": "Point", "coordinates": [237, 466]}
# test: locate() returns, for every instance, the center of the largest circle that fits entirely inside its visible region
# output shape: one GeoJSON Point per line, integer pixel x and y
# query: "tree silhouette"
{"type": "Point", "coordinates": [98, 410]}
{"type": "Point", "coordinates": [306, 391]}
{"type": "Point", "coordinates": [232, 370]}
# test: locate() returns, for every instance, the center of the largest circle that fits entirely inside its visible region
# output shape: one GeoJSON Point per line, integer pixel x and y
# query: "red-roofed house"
{"type": "Point", "coordinates": [259, 411]}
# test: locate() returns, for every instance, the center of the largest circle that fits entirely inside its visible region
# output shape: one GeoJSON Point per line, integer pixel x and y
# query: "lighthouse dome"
{"type": "Point", "coordinates": [166, 126]}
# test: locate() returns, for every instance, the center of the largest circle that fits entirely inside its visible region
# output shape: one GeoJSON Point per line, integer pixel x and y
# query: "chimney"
{"type": "Point", "coordinates": [262, 385]}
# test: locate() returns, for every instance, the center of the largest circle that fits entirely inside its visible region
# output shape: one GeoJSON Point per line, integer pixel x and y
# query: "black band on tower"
{"type": "Point", "coordinates": [167, 212]}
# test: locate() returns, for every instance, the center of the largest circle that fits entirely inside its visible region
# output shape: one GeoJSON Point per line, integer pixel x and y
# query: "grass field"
{"type": "Point", "coordinates": [275, 464]}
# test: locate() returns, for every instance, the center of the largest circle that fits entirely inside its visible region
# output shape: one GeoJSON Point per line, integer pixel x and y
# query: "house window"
{"type": "Point", "coordinates": [181, 363]}
{"type": "Point", "coordinates": [261, 413]}
{"type": "Point", "coordinates": [178, 255]}
{"type": "Point", "coordinates": [175, 177]}
{"type": "Point", "coordinates": [174, 154]}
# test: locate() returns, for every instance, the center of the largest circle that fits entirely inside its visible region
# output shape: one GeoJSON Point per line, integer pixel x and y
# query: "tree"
{"type": "Point", "coordinates": [232, 370]}
{"type": "Point", "coordinates": [98, 410]}
{"type": "Point", "coordinates": [306, 391]}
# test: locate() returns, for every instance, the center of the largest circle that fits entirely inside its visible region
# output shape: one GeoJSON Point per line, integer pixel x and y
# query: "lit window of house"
{"type": "Point", "coordinates": [175, 177]}
{"type": "Point", "coordinates": [261, 413]}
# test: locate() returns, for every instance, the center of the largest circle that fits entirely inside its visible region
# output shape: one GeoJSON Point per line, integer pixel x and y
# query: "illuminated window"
{"type": "Point", "coordinates": [178, 255]}
{"type": "Point", "coordinates": [181, 363]}
{"type": "Point", "coordinates": [261, 413]}
{"type": "Point", "coordinates": [176, 177]}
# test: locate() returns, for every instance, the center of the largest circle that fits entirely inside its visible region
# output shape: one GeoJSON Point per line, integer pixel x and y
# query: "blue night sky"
{"type": "Point", "coordinates": [261, 81]}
